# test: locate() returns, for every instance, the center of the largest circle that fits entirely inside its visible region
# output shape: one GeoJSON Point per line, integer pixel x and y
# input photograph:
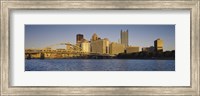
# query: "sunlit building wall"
{"type": "Point", "coordinates": [35, 55]}
{"type": "Point", "coordinates": [85, 47]}
{"type": "Point", "coordinates": [132, 49]}
{"type": "Point", "coordinates": [94, 37]}
{"type": "Point", "coordinates": [100, 46]}
{"type": "Point", "coordinates": [158, 44]}
{"type": "Point", "coordinates": [116, 48]}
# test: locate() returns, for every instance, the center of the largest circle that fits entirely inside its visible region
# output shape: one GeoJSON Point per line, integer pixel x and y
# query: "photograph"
{"type": "Point", "coordinates": [99, 47]}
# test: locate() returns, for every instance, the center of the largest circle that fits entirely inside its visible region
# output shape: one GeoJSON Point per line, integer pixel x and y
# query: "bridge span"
{"type": "Point", "coordinates": [63, 55]}
{"type": "Point", "coordinates": [71, 51]}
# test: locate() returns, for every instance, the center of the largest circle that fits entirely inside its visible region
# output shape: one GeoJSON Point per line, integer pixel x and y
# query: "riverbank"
{"type": "Point", "coordinates": [111, 58]}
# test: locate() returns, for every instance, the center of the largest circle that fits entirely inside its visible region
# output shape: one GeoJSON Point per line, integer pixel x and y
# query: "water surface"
{"type": "Point", "coordinates": [99, 65]}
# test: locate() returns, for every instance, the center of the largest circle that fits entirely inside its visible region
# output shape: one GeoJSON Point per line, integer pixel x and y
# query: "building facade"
{"type": "Point", "coordinates": [148, 49]}
{"type": "Point", "coordinates": [132, 49]}
{"type": "Point", "coordinates": [116, 48]}
{"type": "Point", "coordinates": [124, 38]}
{"type": "Point", "coordinates": [85, 47]}
{"type": "Point", "coordinates": [79, 38]}
{"type": "Point", "coordinates": [158, 45]}
{"type": "Point", "coordinates": [100, 46]}
{"type": "Point", "coordinates": [94, 37]}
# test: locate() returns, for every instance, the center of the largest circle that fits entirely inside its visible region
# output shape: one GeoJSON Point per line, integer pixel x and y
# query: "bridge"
{"type": "Point", "coordinates": [48, 52]}
{"type": "Point", "coordinates": [71, 51]}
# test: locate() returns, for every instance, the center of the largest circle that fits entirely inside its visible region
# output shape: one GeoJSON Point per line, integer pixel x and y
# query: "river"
{"type": "Point", "coordinates": [99, 65]}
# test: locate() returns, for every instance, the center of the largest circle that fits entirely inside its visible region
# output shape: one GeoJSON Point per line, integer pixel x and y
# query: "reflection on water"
{"type": "Point", "coordinates": [98, 65]}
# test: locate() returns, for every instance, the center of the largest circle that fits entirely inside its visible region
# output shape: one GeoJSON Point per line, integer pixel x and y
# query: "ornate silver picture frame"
{"type": "Point", "coordinates": [8, 5]}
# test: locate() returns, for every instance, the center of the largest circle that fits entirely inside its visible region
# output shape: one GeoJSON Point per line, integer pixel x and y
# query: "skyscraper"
{"type": "Point", "coordinates": [158, 45]}
{"type": "Point", "coordinates": [79, 38]}
{"type": "Point", "coordinates": [124, 38]}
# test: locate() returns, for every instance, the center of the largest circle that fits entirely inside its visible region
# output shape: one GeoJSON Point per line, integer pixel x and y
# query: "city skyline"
{"type": "Point", "coordinates": [40, 36]}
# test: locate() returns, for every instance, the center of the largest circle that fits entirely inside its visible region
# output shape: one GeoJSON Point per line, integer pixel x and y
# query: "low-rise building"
{"type": "Point", "coordinates": [100, 46]}
{"type": "Point", "coordinates": [48, 49]}
{"type": "Point", "coordinates": [148, 49]}
{"type": "Point", "coordinates": [85, 47]}
{"type": "Point", "coordinates": [116, 48]}
{"type": "Point", "coordinates": [132, 49]}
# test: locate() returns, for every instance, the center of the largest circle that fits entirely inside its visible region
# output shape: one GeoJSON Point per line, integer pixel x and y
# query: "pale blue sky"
{"type": "Point", "coordinates": [40, 36]}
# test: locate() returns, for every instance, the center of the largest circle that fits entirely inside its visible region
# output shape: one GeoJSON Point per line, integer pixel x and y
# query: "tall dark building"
{"type": "Point", "coordinates": [79, 38]}
{"type": "Point", "coordinates": [124, 38]}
